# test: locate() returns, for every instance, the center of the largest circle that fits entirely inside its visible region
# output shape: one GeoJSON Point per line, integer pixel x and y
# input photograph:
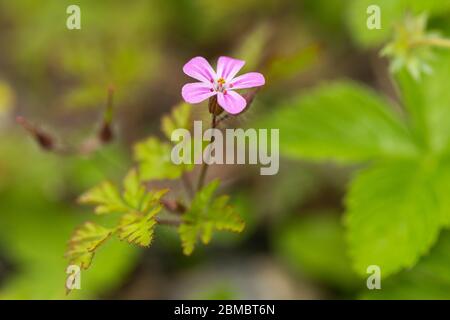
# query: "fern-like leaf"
{"type": "Point", "coordinates": [137, 228]}
{"type": "Point", "coordinates": [137, 206]}
{"type": "Point", "coordinates": [206, 215]}
{"type": "Point", "coordinates": [106, 197]}
{"type": "Point", "coordinates": [180, 117]}
{"type": "Point", "coordinates": [154, 160]}
{"type": "Point", "coordinates": [83, 243]}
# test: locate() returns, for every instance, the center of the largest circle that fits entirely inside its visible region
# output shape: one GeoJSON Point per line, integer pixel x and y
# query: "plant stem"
{"type": "Point", "coordinates": [170, 223]}
{"type": "Point", "coordinates": [435, 42]}
{"type": "Point", "coordinates": [205, 166]}
{"type": "Point", "coordinates": [187, 185]}
{"type": "Point", "coordinates": [173, 206]}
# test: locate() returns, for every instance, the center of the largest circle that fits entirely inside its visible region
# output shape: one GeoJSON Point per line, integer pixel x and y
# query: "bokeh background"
{"type": "Point", "coordinates": [293, 246]}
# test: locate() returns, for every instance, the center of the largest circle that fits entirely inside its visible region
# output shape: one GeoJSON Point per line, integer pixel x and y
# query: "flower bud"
{"type": "Point", "coordinates": [214, 107]}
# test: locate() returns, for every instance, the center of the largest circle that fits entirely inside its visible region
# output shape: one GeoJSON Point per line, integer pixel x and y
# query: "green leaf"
{"type": "Point", "coordinates": [342, 121]}
{"type": "Point", "coordinates": [134, 193]}
{"type": "Point", "coordinates": [138, 206]}
{"type": "Point", "coordinates": [154, 160]}
{"type": "Point", "coordinates": [413, 100]}
{"type": "Point", "coordinates": [206, 215]}
{"type": "Point", "coordinates": [106, 197]}
{"type": "Point", "coordinates": [83, 243]}
{"type": "Point", "coordinates": [34, 228]}
{"type": "Point", "coordinates": [392, 215]}
{"type": "Point", "coordinates": [441, 183]}
{"type": "Point", "coordinates": [135, 197]}
{"type": "Point", "coordinates": [179, 118]}
{"type": "Point", "coordinates": [137, 228]}
{"type": "Point", "coordinates": [429, 279]}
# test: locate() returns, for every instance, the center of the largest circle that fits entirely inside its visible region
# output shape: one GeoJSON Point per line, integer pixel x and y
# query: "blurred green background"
{"type": "Point", "coordinates": [293, 246]}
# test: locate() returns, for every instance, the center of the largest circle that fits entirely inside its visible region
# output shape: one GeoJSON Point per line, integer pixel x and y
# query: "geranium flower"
{"type": "Point", "coordinates": [221, 83]}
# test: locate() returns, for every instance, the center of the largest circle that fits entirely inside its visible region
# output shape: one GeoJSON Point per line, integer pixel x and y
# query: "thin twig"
{"type": "Point", "coordinates": [187, 185]}
{"type": "Point", "coordinates": [48, 143]}
{"type": "Point", "coordinates": [173, 206]}
{"type": "Point", "coordinates": [249, 97]}
{"type": "Point", "coordinates": [435, 42]}
{"type": "Point", "coordinates": [204, 169]}
{"type": "Point", "coordinates": [169, 222]}
{"type": "Point", "coordinates": [44, 139]}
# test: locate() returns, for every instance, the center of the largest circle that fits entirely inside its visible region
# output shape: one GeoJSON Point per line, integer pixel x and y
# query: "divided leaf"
{"type": "Point", "coordinates": [138, 206]}
{"type": "Point", "coordinates": [137, 228]}
{"type": "Point", "coordinates": [106, 197]}
{"type": "Point", "coordinates": [206, 215]}
{"type": "Point", "coordinates": [392, 217]}
{"type": "Point", "coordinates": [135, 197]}
{"type": "Point", "coordinates": [179, 118]}
{"type": "Point", "coordinates": [83, 243]}
{"type": "Point", "coordinates": [154, 160]}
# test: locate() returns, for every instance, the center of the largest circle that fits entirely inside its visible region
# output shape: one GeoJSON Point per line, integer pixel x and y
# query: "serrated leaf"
{"type": "Point", "coordinates": [179, 118]}
{"type": "Point", "coordinates": [135, 197]}
{"type": "Point", "coordinates": [392, 216]}
{"type": "Point", "coordinates": [106, 197]}
{"type": "Point", "coordinates": [341, 121]}
{"type": "Point", "coordinates": [134, 192]}
{"type": "Point", "coordinates": [429, 279]}
{"type": "Point", "coordinates": [154, 160]}
{"type": "Point", "coordinates": [137, 228]}
{"type": "Point", "coordinates": [206, 215]}
{"type": "Point", "coordinates": [137, 206]}
{"type": "Point", "coordinates": [83, 243]}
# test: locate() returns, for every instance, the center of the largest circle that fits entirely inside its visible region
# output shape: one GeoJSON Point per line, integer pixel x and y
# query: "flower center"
{"type": "Point", "coordinates": [220, 85]}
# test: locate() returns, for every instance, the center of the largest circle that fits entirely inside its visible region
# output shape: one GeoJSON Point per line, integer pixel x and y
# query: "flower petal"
{"type": "Point", "coordinates": [198, 68]}
{"type": "Point", "coordinates": [197, 92]}
{"type": "Point", "coordinates": [231, 101]}
{"type": "Point", "coordinates": [228, 67]}
{"type": "Point", "coordinates": [248, 80]}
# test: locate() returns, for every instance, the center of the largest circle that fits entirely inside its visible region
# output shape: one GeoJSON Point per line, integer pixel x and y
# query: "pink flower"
{"type": "Point", "coordinates": [221, 83]}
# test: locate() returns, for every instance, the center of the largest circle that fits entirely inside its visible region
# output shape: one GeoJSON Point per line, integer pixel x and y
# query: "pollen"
{"type": "Point", "coordinates": [221, 81]}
